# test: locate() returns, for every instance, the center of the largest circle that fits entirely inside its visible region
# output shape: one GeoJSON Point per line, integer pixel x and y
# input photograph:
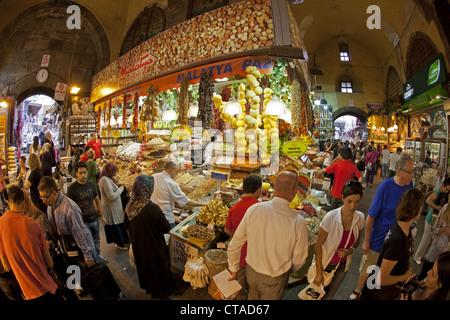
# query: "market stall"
{"type": "Point", "coordinates": [219, 116]}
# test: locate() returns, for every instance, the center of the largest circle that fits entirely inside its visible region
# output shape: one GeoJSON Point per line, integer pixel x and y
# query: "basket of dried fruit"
{"type": "Point", "coordinates": [199, 234]}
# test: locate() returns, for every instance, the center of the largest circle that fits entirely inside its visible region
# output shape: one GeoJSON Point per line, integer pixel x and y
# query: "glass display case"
{"type": "Point", "coordinates": [412, 147]}
{"type": "Point", "coordinates": [437, 149]}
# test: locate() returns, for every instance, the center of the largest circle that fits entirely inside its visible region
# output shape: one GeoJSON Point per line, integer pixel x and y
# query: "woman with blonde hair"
{"type": "Point", "coordinates": [35, 176]}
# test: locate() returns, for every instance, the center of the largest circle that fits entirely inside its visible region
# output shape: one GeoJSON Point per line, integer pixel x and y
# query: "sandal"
{"type": "Point", "coordinates": [355, 295]}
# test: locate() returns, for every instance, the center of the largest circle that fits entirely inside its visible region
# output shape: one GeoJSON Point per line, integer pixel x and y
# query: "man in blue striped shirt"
{"type": "Point", "coordinates": [67, 217]}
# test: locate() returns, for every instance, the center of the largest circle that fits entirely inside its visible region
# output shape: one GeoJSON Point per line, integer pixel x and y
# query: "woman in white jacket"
{"type": "Point", "coordinates": [339, 234]}
{"type": "Point", "coordinates": [112, 208]}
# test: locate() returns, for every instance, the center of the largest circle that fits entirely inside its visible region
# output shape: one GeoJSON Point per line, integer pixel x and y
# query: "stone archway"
{"type": "Point", "coordinates": [75, 55]}
{"type": "Point", "coordinates": [351, 111]}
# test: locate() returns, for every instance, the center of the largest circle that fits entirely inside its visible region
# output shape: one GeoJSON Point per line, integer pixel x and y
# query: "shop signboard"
{"type": "Point", "coordinates": [432, 75]}
{"type": "Point", "coordinates": [425, 100]}
{"type": "Point", "coordinates": [294, 148]}
{"type": "Point", "coordinates": [375, 107]}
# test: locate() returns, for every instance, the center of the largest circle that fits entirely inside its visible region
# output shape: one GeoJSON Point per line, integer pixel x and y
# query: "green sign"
{"type": "Point", "coordinates": [433, 72]}
{"type": "Point", "coordinates": [294, 148]}
{"type": "Point", "coordinates": [431, 75]}
{"type": "Point", "coordinates": [269, 144]}
{"type": "Point", "coordinates": [424, 101]}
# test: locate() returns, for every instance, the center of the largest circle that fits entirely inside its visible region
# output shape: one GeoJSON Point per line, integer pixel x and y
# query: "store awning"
{"type": "Point", "coordinates": [34, 108]}
{"type": "Point", "coordinates": [53, 109]}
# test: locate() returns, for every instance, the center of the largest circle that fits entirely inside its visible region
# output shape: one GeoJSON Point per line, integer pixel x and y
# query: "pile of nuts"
{"type": "Point", "coordinates": [239, 27]}
{"type": "Point", "coordinates": [199, 232]}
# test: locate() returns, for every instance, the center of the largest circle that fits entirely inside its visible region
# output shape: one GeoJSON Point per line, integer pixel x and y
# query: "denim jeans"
{"type": "Point", "coordinates": [384, 170]}
{"type": "Point", "coordinates": [93, 232]}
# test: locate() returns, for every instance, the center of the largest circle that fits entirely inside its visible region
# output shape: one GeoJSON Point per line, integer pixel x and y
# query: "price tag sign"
{"type": "Point", "coordinates": [221, 245]}
{"type": "Point", "coordinates": [181, 133]}
{"type": "Point", "coordinates": [294, 148]}
{"type": "Point", "coordinates": [210, 226]}
{"type": "Point", "coordinates": [157, 124]}
{"type": "Point", "coordinates": [115, 134]}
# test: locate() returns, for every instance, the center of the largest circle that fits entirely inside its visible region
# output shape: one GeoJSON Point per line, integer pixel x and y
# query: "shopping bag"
{"type": "Point", "coordinates": [312, 292]}
{"type": "Point", "coordinates": [327, 276]}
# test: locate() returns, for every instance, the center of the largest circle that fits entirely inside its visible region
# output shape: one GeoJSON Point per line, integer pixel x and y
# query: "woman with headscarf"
{"type": "Point", "coordinates": [112, 207]}
{"type": "Point", "coordinates": [147, 225]}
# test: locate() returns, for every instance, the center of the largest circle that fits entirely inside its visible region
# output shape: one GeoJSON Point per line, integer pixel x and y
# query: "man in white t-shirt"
{"type": "Point", "coordinates": [167, 191]}
{"type": "Point", "coordinates": [385, 162]}
{"type": "Point", "coordinates": [393, 157]}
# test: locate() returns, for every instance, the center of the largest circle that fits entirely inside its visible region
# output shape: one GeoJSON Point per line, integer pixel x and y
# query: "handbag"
{"type": "Point", "coordinates": [327, 276]}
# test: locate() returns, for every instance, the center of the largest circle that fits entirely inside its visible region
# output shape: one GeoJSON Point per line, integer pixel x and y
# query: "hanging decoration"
{"type": "Point", "coordinates": [124, 112]}
{"type": "Point", "coordinates": [135, 121]}
{"type": "Point", "coordinates": [205, 102]}
{"type": "Point", "coordinates": [109, 128]}
{"type": "Point", "coordinates": [296, 100]}
{"type": "Point", "coordinates": [183, 102]}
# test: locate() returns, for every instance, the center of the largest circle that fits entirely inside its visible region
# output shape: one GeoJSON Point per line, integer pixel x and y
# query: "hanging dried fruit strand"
{"type": "Point", "coordinates": [124, 112]}
{"type": "Point", "coordinates": [296, 97]}
{"type": "Point", "coordinates": [205, 102]}
{"type": "Point", "coordinates": [183, 102]}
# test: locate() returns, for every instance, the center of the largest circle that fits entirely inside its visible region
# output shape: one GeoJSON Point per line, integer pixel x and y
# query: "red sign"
{"type": "Point", "coordinates": [375, 107]}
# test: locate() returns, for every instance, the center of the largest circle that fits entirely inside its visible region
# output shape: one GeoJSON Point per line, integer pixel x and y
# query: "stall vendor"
{"type": "Point", "coordinates": [96, 144]}
{"type": "Point", "coordinates": [167, 191]}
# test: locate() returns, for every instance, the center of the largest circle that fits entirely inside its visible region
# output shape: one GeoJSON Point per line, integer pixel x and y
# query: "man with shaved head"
{"type": "Point", "coordinates": [167, 191]}
{"type": "Point", "coordinates": [277, 242]}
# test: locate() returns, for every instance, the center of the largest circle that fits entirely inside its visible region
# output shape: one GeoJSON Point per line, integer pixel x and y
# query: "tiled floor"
{"type": "Point", "coordinates": [126, 276]}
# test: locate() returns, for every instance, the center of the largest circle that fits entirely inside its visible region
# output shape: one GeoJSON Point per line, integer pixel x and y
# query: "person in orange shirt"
{"type": "Point", "coordinates": [24, 250]}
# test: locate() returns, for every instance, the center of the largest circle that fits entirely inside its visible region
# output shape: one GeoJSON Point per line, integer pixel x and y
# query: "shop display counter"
{"type": "Point", "coordinates": [183, 248]}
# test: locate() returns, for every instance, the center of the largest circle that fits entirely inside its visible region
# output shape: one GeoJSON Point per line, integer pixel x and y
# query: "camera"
{"type": "Point", "coordinates": [408, 287]}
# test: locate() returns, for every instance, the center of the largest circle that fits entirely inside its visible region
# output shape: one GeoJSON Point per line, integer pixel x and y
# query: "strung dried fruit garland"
{"type": "Point", "coordinates": [205, 102]}
{"type": "Point", "coordinates": [135, 123]}
{"type": "Point", "coordinates": [124, 112]}
{"type": "Point", "coordinates": [183, 102]}
{"type": "Point", "coordinates": [296, 97]}
{"type": "Point", "coordinates": [109, 128]}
